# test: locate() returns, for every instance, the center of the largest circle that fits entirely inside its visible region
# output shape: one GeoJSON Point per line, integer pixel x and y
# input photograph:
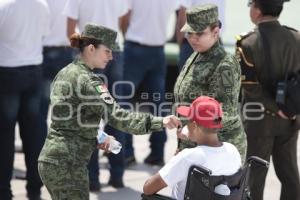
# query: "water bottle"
{"type": "Point", "coordinates": [114, 146]}
{"type": "Point", "coordinates": [222, 189]}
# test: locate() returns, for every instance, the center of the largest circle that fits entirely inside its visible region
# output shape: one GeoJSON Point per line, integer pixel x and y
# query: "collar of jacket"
{"type": "Point", "coordinates": [268, 24]}
{"type": "Point", "coordinates": [82, 64]}
{"type": "Point", "coordinates": [217, 50]}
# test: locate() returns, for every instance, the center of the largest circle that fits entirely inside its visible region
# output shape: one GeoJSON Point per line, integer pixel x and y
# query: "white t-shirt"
{"type": "Point", "coordinates": [58, 24]}
{"type": "Point", "coordinates": [23, 23]}
{"type": "Point", "coordinates": [224, 160]}
{"type": "Point", "coordinates": [148, 21]}
{"type": "Point", "coordinates": [219, 3]}
{"type": "Point", "coordinates": [101, 12]}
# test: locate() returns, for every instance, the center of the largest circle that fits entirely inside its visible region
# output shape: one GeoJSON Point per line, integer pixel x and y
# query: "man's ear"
{"type": "Point", "coordinates": [257, 14]}
{"type": "Point", "coordinates": [91, 48]}
{"type": "Point", "coordinates": [194, 125]}
{"type": "Point", "coordinates": [216, 31]}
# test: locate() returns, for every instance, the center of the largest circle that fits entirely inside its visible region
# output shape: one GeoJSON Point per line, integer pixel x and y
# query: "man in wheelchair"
{"type": "Point", "coordinates": [220, 158]}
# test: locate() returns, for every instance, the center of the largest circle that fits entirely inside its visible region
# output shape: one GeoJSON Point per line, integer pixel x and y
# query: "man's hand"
{"type": "Point", "coordinates": [182, 133]}
{"type": "Point", "coordinates": [171, 122]}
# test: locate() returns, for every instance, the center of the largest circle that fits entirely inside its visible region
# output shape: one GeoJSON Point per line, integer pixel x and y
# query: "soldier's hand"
{"type": "Point", "coordinates": [105, 145]}
{"type": "Point", "coordinates": [171, 122]}
{"type": "Point", "coordinates": [182, 133]}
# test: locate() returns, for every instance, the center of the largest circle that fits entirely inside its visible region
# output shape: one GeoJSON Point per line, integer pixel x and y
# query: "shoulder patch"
{"type": "Point", "coordinates": [226, 77]}
{"type": "Point", "coordinates": [107, 98]}
{"type": "Point", "coordinates": [101, 89]}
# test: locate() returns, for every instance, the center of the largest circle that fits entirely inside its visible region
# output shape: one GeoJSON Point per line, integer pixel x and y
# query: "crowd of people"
{"type": "Point", "coordinates": [67, 54]}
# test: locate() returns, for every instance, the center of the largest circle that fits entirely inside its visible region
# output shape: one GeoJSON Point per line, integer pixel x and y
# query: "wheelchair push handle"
{"type": "Point", "coordinates": [201, 169]}
{"type": "Point", "coordinates": [257, 160]}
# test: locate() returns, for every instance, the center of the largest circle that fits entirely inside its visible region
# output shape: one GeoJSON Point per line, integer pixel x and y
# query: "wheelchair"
{"type": "Point", "coordinates": [201, 184]}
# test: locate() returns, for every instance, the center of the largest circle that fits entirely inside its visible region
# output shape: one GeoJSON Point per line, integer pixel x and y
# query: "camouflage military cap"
{"type": "Point", "coordinates": [199, 18]}
{"type": "Point", "coordinates": [101, 33]}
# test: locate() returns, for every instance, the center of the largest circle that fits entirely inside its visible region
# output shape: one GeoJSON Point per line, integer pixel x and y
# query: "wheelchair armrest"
{"type": "Point", "coordinates": [257, 160]}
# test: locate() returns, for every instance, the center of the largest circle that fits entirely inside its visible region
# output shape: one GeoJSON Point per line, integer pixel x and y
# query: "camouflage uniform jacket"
{"type": "Point", "coordinates": [79, 100]}
{"type": "Point", "coordinates": [217, 74]}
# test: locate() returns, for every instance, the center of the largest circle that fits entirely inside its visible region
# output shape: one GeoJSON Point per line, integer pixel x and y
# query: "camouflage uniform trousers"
{"type": "Point", "coordinates": [65, 182]}
{"type": "Point", "coordinates": [236, 136]}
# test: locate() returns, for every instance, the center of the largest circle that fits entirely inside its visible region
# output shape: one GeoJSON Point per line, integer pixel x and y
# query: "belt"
{"type": "Point", "coordinates": [56, 47]}
{"type": "Point", "coordinates": [49, 49]}
{"type": "Point", "coordinates": [20, 68]}
{"type": "Point", "coordinates": [144, 45]}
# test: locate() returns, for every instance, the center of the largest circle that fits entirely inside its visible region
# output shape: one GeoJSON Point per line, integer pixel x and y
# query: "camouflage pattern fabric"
{"type": "Point", "coordinates": [217, 74]}
{"type": "Point", "coordinates": [199, 18]}
{"type": "Point", "coordinates": [105, 35]}
{"type": "Point", "coordinates": [65, 182]}
{"type": "Point", "coordinates": [79, 100]}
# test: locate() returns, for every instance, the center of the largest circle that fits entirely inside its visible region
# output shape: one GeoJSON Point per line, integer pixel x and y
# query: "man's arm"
{"type": "Point", "coordinates": [71, 25]}
{"type": "Point", "coordinates": [154, 184]}
{"type": "Point", "coordinates": [181, 19]}
{"type": "Point", "coordinates": [124, 22]}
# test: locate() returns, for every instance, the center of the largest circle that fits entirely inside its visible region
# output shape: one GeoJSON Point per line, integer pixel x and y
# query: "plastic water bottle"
{"type": "Point", "coordinates": [222, 189]}
{"type": "Point", "coordinates": [114, 146]}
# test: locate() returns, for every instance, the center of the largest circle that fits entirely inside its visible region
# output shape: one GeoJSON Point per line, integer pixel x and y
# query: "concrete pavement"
{"type": "Point", "coordinates": [134, 177]}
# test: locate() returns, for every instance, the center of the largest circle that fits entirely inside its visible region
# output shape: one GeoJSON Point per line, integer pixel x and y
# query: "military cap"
{"type": "Point", "coordinates": [199, 18]}
{"type": "Point", "coordinates": [105, 35]}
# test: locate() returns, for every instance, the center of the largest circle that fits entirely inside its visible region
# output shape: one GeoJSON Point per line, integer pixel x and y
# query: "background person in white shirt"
{"type": "Point", "coordinates": [56, 52]}
{"type": "Point", "coordinates": [23, 23]}
{"type": "Point", "coordinates": [145, 28]}
{"type": "Point", "coordinates": [222, 158]}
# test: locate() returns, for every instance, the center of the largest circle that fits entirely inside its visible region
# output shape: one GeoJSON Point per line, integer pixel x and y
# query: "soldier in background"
{"type": "Point", "coordinates": [265, 54]}
{"type": "Point", "coordinates": [80, 100]}
{"type": "Point", "coordinates": [210, 71]}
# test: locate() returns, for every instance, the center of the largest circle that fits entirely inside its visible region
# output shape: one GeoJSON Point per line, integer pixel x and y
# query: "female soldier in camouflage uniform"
{"type": "Point", "coordinates": [212, 72]}
{"type": "Point", "coordinates": [79, 100]}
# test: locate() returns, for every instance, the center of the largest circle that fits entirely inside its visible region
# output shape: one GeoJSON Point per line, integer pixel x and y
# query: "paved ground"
{"type": "Point", "coordinates": [134, 177]}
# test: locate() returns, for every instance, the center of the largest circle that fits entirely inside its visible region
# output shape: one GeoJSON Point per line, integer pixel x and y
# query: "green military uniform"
{"type": "Point", "coordinates": [80, 100]}
{"type": "Point", "coordinates": [214, 73]}
{"type": "Point", "coordinates": [267, 133]}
